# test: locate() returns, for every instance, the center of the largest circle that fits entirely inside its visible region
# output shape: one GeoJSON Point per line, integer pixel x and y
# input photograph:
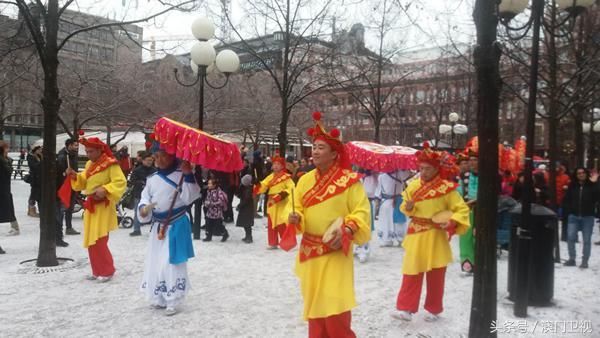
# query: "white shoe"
{"type": "Point", "coordinates": [402, 315]}
{"type": "Point", "coordinates": [430, 317]}
{"type": "Point", "coordinates": [362, 259]}
{"type": "Point", "coordinates": [91, 277]}
{"type": "Point", "coordinates": [104, 279]}
{"type": "Point", "coordinates": [13, 232]}
{"type": "Point", "coordinates": [170, 311]}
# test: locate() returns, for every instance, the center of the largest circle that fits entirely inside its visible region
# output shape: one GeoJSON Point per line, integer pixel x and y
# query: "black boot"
{"type": "Point", "coordinates": [248, 238]}
{"type": "Point", "coordinates": [208, 229]}
{"type": "Point", "coordinates": [225, 236]}
{"type": "Point", "coordinates": [2, 251]}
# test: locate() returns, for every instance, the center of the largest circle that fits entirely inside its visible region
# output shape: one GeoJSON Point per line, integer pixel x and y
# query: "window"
{"type": "Point", "coordinates": [420, 96]}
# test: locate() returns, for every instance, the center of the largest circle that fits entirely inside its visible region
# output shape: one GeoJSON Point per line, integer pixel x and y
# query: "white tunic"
{"type": "Point", "coordinates": [165, 284]}
{"type": "Point", "coordinates": [389, 188]}
{"type": "Point", "coordinates": [370, 185]}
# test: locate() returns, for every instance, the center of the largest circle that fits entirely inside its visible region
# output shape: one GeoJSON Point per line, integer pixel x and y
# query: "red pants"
{"type": "Point", "coordinates": [336, 326]}
{"type": "Point", "coordinates": [275, 234]}
{"type": "Point", "coordinates": [410, 292]}
{"type": "Point", "coordinates": [100, 258]}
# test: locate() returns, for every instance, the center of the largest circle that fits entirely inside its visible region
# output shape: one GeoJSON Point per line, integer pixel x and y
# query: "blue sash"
{"type": "Point", "coordinates": [399, 217]}
{"type": "Point", "coordinates": [180, 241]}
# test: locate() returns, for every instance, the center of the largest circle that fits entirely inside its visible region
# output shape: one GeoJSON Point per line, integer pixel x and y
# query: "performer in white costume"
{"type": "Point", "coordinates": [391, 224]}
{"type": "Point", "coordinates": [165, 281]}
{"type": "Point", "coordinates": [370, 184]}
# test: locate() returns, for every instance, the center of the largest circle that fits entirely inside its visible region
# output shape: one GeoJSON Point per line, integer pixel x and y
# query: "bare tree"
{"type": "Point", "coordinates": [296, 52]}
{"type": "Point", "coordinates": [42, 22]}
{"type": "Point", "coordinates": [370, 78]}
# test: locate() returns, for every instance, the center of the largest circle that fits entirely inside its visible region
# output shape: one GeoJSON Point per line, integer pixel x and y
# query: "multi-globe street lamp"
{"type": "Point", "coordinates": [507, 10]}
{"type": "Point", "coordinates": [205, 59]}
{"type": "Point", "coordinates": [454, 128]}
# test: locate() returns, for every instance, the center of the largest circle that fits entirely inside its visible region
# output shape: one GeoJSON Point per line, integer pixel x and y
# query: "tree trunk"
{"type": "Point", "coordinates": [579, 142]}
{"type": "Point", "coordinates": [51, 105]}
{"type": "Point", "coordinates": [487, 58]}
{"type": "Point", "coordinates": [377, 123]}
{"type": "Point", "coordinates": [282, 135]}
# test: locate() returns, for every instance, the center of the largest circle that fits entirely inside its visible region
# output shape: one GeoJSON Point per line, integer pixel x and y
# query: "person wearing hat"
{"type": "Point", "coordinates": [278, 187]}
{"type": "Point", "coordinates": [426, 246]}
{"type": "Point", "coordinates": [104, 183]}
{"type": "Point", "coordinates": [164, 203]}
{"type": "Point", "coordinates": [245, 218]}
{"type": "Point", "coordinates": [467, 240]}
{"type": "Point", "coordinates": [332, 212]}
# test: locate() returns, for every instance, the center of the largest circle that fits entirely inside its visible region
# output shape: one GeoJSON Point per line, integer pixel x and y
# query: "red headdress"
{"type": "Point", "coordinates": [278, 159]}
{"type": "Point", "coordinates": [444, 162]}
{"type": "Point", "coordinates": [472, 147]}
{"type": "Point", "coordinates": [94, 142]}
{"type": "Point", "coordinates": [318, 132]}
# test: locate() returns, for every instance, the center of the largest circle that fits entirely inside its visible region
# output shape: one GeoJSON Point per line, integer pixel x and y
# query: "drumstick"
{"type": "Point", "coordinates": [68, 161]}
{"type": "Point", "coordinates": [293, 204]}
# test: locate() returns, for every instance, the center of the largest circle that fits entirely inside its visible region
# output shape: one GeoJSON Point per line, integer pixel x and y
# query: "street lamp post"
{"type": "Point", "coordinates": [204, 59]}
{"type": "Point", "coordinates": [453, 117]}
{"type": "Point", "coordinates": [454, 128]}
{"type": "Point", "coordinates": [507, 10]}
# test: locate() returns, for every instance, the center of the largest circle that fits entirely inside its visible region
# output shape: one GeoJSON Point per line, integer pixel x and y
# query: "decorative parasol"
{"type": "Point", "coordinates": [197, 146]}
{"type": "Point", "coordinates": [381, 158]}
{"type": "Point", "coordinates": [404, 158]}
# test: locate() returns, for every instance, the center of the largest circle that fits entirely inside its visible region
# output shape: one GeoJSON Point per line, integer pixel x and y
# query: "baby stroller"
{"type": "Point", "coordinates": [126, 202]}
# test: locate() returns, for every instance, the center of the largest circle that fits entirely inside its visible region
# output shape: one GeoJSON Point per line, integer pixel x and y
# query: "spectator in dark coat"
{"type": "Point", "coordinates": [540, 188]}
{"type": "Point", "coordinates": [137, 181]}
{"type": "Point", "coordinates": [517, 191]}
{"type": "Point", "coordinates": [245, 217]}
{"type": "Point", "coordinates": [579, 206]}
{"type": "Point", "coordinates": [67, 157]}
{"type": "Point", "coordinates": [7, 211]}
{"type": "Point", "coordinates": [34, 161]}
{"type": "Point", "coordinates": [258, 174]}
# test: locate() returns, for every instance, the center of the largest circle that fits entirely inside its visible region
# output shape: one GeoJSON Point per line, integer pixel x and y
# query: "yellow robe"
{"type": "Point", "coordinates": [327, 282]}
{"type": "Point", "coordinates": [430, 249]}
{"type": "Point", "coordinates": [104, 219]}
{"type": "Point", "coordinates": [279, 212]}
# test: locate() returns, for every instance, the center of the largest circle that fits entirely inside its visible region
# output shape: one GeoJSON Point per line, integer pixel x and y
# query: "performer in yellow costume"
{"type": "Point", "coordinates": [325, 264]}
{"type": "Point", "coordinates": [426, 246]}
{"type": "Point", "coordinates": [278, 187]}
{"type": "Point", "coordinates": [103, 182]}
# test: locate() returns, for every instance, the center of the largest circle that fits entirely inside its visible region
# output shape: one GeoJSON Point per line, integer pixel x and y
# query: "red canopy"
{"type": "Point", "coordinates": [381, 158]}
{"type": "Point", "coordinates": [197, 146]}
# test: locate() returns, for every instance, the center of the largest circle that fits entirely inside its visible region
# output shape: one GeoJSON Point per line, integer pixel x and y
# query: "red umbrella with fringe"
{"type": "Point", "coordinates": [381, 158]}
{"type": "Point", "coordinates": [197, 146]}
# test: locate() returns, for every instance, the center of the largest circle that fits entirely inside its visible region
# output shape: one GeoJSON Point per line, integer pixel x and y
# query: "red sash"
{"type": "Point", "coordinates": [103, 163]}
{"type": "Point", "coordinates": [100, 165]}
{"type": "Point", "coordinates": [281, 177]}
{"type": "Point", "coordinates": [333, 183]}
{"type": "Point", "coordinates": [312, 246]}
{"type": "Point", "coordinates": [433, 189]}
{"type": "Point", "coordinates": [419, 224]}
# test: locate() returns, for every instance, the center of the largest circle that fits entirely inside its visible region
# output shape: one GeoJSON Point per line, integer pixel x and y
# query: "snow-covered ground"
{"type": "Point", "coordinates": [244, 290]}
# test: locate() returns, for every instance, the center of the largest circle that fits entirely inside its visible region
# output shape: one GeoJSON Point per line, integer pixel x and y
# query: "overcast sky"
{"type": "Point", "coordinates": [430, 22]}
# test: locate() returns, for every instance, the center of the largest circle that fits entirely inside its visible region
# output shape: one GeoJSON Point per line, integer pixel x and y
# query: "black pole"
{"type": "Point", "coordinates": [486, 57]}
{"type": "Point", "coordinates": [523, 231]}
{"type": "Point", "coordinates": [201, 77]}
{"type": "Point", "coordinates": [452, 136]}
